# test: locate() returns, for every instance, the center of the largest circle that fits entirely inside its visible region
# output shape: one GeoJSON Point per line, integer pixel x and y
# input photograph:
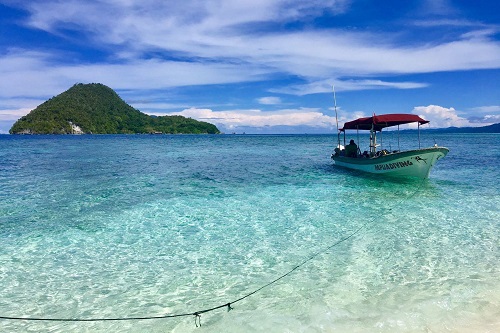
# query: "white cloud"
{"type": "Point", "coordinates": [9, 115]}
{"type": "Point", "coordinates": [448, 22]}
{"type": "Point", "coordinates": [269, 100]}
{"type": "Point", "coordinates": [208, 14]}
{"type": "Point", "coordinates": [226, 31]}
{"type": "Point", "coordinates": [438, 7]}
{"type": "Point", "coordinates": [257, 118]}
{"type": "Point", "coordinates": [155, 108]}
{"type": "Point", "coordinates": [490, 119]}
{"type": "Point", "coordinates": [446, 117]}
{"type": "Point", "coordinates": [487, 109]}
{"type": "Point", "coordinates": [15, 108]}
{"type": "Point", "coordinates": [325, 86]}
{"type": "Point", "coordinates": [441, 117]}
{"type": "Point", "coordinates": [485, 115]}
{"type": "Point", "coordinates": [25, 71]}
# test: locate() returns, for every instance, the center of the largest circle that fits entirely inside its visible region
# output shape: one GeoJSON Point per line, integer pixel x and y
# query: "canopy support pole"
{"type": "Point", "coordinates": [373, 141]}
{"type": "Point", "coordinates": [418, 135]}
{"type": "Point", "coordinates": [399, 149]}
{"type": "Point", "coordinates": [381, 140]}
{"type": "Point", "coordinates": [357, 132]}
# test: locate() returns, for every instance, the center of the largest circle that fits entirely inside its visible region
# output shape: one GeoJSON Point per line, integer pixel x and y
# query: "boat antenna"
{"type": "Point", "coordinates": [336, 117]}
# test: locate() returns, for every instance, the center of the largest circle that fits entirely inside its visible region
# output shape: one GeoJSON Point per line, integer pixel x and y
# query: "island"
{"type": "Point", "coordinates": [97, 109]}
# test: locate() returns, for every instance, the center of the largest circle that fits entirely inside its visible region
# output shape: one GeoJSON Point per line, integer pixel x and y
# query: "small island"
{"type": "Point", "coordinates": [97, 109]}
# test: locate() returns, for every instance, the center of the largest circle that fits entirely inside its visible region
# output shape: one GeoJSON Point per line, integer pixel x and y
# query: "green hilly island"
{"type": "Point", "coordinates": [97, 109]}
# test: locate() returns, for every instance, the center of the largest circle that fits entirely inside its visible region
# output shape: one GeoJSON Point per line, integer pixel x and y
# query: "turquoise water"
{"type": "Point", "coordinates": [137, 226]}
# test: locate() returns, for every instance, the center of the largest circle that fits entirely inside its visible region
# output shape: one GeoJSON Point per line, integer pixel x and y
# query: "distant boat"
{"type": "Point", "coordinates": [409, 163]}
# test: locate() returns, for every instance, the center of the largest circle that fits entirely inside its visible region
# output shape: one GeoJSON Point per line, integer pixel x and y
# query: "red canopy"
{"type": "Point", "coordinates": [382, 121]}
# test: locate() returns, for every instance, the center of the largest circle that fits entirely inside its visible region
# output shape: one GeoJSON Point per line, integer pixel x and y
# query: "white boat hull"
{"type": "Point", "coordinates": [412, 163]}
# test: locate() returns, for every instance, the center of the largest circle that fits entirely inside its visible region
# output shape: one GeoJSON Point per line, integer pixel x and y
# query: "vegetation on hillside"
{"type": "Point", "coordinates": [96, 108]}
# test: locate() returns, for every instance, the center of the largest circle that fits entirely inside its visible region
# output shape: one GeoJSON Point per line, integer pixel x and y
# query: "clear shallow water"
{"type": "Point", "coordinates": [120, 226]}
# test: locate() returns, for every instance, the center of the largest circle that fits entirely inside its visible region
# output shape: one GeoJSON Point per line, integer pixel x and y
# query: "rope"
{"type": "Point", "coordinates": [197, 314]}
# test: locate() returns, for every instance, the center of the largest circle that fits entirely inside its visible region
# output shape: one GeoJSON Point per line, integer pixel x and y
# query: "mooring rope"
{"type": "Point", "coordinates": [197, 314]}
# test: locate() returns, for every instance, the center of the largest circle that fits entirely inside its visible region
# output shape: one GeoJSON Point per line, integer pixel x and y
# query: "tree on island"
{"type": "Point", "coordinates": [97, 109]}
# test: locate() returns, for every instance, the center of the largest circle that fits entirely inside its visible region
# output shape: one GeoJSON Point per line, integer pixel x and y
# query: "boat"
{"type": "Point", "coordinates": [409, 163]}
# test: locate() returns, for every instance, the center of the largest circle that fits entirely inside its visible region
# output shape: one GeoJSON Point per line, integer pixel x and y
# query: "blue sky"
{"type": "Point", "coordinates": [259, 66]}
